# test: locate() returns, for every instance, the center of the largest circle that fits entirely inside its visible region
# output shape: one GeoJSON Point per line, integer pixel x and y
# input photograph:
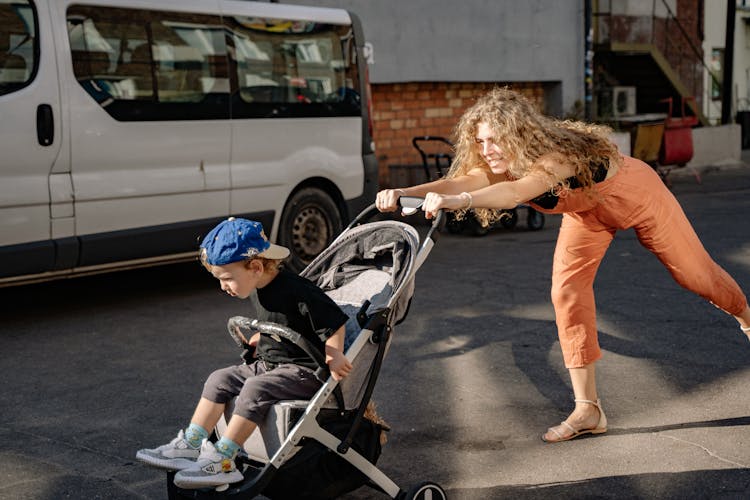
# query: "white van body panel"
{"type": "Point", "coordinates": [264, 173]}
{"type": "Point", "coordinates": [281, 11]}
{"type": "Point", "coordinates": [165, 179]}
{"type": "Point", "coordinates": [25, 164]}
{"type": "Point", "coordinates": [202, 6]}
{"type": "Point", "coordinates": [134, 174]}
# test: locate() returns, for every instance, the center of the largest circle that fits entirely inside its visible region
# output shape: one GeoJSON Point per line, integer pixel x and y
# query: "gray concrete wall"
{"type": "Point", "coordinates": [712, 146]}
{"type": "Point", "coordinates": [475, 41]}
{"type": "Point", "coordinates": [720, 145]}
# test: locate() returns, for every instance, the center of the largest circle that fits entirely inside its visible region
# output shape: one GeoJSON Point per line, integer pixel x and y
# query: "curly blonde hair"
{"type": "Point", "coordinates": [527, 136]}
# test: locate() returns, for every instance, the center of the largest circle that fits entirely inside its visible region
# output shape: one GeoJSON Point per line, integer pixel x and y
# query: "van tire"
{"type": "Point", "coordinates": [309, 223]}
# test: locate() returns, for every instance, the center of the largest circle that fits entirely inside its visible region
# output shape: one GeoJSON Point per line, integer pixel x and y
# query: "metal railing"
{"type": "Point", "coordinates": [666, 34]}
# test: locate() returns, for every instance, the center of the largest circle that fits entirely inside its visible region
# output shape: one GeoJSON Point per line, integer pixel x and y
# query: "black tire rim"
{"type": "Point", "coordinates": [310, 232]}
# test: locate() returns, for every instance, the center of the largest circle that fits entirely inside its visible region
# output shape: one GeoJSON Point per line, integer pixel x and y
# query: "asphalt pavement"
{"type": "Point", "coordinates": [95, 368]}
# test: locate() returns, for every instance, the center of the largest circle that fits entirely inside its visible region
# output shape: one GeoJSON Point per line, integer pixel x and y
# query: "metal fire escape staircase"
{"type": "Point", "coordinates": [654, 54]}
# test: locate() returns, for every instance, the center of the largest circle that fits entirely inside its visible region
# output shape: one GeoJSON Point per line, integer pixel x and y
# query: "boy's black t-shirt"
{"type": "Point", "coordinates": [281, 302]}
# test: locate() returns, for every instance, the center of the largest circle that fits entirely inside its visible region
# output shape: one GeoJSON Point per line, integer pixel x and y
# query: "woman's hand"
{"type": "Point", "coordinates": [435, 201]}
{"type": "Point", "coordinates": [387, 199]}
{"type": "Point", "coordinates": [338, 364]}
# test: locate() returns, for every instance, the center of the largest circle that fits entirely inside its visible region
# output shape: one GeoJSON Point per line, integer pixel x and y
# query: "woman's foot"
{"type": "Point", "coordinates": [587, 418]}
{"type": "Point", "coordinates": [744, 320]}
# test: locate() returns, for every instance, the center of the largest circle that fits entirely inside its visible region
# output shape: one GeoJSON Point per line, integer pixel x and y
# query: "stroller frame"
{"type": "Point", "coordinates": [375, 329]}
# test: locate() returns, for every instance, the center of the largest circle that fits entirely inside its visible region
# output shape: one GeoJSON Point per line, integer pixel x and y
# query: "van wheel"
{"type": "Point", "coordinates": [309, 223]}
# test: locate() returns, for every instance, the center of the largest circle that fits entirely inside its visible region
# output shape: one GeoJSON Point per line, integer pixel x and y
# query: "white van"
{"type": "Point", "coordinates": [129, 128]}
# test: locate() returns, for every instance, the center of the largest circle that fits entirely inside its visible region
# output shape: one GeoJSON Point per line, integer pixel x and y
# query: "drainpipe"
{"type": "Point", "coordinates": [588, 73]}
{"type": "Point", "coordinates": [726, 84]}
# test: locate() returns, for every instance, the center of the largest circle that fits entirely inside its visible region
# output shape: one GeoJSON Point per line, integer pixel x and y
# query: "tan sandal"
{"type": "Point", "coordinates": [600, 428]}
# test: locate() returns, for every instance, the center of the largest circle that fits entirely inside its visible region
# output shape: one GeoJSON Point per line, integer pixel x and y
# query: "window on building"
{"type": "Point", "coordinates": [717, 70]}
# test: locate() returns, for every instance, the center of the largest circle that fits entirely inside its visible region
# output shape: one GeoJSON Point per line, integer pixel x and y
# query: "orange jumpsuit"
{"type": "Point", "coordinates": [634, 197]}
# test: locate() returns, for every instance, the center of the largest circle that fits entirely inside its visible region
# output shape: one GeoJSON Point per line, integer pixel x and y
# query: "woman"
{"type": "Point", "coordinates": [507, 153]}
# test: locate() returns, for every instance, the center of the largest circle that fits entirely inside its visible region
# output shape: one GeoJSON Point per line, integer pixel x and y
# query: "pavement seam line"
{"type": "Point", "coordinates": [72, 471]}
{"type": "Point", "coordinates": [74, 446]}
{"type": "Point", "coordinates": [711, 453]}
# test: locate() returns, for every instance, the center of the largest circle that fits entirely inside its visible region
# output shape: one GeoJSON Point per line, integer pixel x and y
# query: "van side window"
{"type": "Point", "coordinates": [150, 65]}
{"type": "Point", "coordinates": [292, 69]}
{"type": "Point", "coordinates": [18, 45]}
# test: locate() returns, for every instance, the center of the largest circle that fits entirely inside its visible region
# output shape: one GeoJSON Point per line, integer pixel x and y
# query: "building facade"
{"type": "Point", "coordinates": [430, 59]}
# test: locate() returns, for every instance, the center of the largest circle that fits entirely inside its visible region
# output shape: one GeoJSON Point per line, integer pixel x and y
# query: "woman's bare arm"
{"type": "Point", "coordinates": [471, 181]}
{"type": "Point", "coordinates": [387, 200]}
{"type": "Point", "coordinates": [501, 195]}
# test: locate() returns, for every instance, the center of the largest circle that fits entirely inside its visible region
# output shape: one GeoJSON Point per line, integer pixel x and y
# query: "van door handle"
{"type": "Point", "coordinates": [45, 125]}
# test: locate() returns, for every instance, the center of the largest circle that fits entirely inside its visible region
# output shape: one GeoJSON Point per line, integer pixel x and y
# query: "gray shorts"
{"type": "Point", "coordinates": [257, 389]}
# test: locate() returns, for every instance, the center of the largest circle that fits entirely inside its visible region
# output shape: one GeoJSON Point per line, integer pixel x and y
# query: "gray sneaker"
{"type": "Point", "coordinates": [176, 455]}
{"type": "Point", "coordinates": [212, 469]}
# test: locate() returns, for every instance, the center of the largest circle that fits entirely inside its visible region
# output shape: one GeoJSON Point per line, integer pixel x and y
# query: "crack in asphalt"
{"type": "Point", "coordinates": [709, 452]}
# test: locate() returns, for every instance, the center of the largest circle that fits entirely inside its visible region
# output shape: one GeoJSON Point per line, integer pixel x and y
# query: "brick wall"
{"type": "Point", "coordinates": [402, 111]}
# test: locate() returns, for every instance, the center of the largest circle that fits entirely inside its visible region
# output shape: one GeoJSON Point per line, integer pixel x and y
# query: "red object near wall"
{"type": "Point", "coordinates": [676, 146]}
{"type": "Point", "coordinates": [677, 142]}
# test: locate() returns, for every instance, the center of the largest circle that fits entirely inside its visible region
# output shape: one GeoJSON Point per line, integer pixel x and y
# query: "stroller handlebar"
{"type": "Point", "coordinates": [411, 205]}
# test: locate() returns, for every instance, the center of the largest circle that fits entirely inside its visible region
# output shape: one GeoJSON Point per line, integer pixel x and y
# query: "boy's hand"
{"type": "Point", "coordinates": [254, 339]}
{"type": "Point", "coordinates": [338, 364]}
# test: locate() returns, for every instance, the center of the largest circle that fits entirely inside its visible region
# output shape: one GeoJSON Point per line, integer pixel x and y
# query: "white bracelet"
{"type": "Point", "coordinates": [469, 200]}
{"type": "Point", "coordinates": [400, 192]}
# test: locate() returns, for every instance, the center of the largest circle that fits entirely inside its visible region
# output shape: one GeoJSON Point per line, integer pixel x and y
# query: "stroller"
{"type": "Point", "coordinates": [440, 151]}
{"type": "Point", "coordinates": [326, 447]}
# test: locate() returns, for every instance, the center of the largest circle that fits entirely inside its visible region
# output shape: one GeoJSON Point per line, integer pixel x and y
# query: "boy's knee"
{"type": "Point", "coordinates": [219, 386]}
{"type": "Point", "coordinates": [252, 405]}
{"type": "Point", "coordinates": [218, 378]}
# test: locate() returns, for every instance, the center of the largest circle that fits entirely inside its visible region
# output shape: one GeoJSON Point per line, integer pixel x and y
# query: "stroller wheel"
{"type": "Point", "coordinates": [453, 226]}
{"type": "Point", "coordinates": [425, 491]}
{"type": "Point", "coordinates": [509, 218]}
{"type": "Point", "coordinates": [535, 219]}
{"type": "Point", "coordinates": [476, 227]}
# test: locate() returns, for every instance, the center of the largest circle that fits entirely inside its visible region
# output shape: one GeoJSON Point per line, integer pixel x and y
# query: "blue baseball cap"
{"type": "Point", "coordinates": [235, 240]}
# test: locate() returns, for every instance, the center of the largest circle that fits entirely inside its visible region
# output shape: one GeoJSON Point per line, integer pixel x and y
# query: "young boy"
{"type": "Point", "coordinates": [238, 254]}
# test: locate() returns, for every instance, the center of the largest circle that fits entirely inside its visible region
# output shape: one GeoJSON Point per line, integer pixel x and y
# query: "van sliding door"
{"type": "Point", "coordinates": [150, 133]}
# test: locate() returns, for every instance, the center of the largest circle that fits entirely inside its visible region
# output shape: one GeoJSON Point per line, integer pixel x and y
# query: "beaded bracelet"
{"type": "Point", "coordinates": [469, 200]}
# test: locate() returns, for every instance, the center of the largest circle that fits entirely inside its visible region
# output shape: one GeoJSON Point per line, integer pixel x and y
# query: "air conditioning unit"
{"type": "Point", "coordinates": [623, 101]}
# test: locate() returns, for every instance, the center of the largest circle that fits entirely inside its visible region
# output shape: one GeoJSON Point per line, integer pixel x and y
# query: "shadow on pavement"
{"type": "Point", "coordinates": [729, 483]}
